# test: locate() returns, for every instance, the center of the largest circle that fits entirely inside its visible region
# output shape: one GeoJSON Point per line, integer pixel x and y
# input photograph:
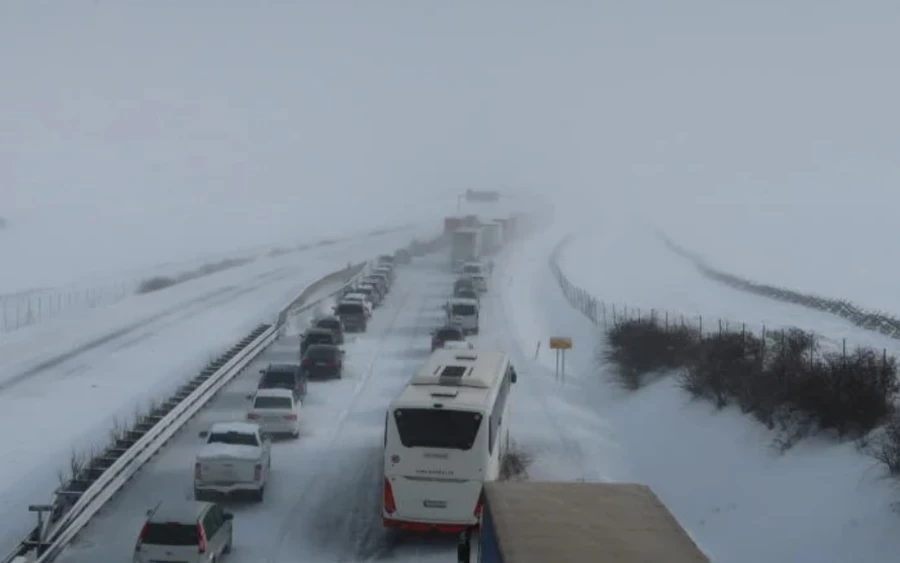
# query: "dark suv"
{"type": "Point", "coordinates": [333, 324]}
{"type": "Point", "coordinates": [316, 336]}
{"type": "Point", "coordinates": [446, 334]}
{"type": "Point", "coordinates": [323, 360]}
{"type": "Point", "coordinates": [352, 315]}
{"type": "Point", "coordinates": [284, 376]}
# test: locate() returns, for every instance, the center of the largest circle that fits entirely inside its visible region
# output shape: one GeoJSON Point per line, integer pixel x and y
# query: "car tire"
{"type": "Point", "coordinates": [229, 544]}
{"type": "Point", "coordinates": [295, 435]}
{"type": "Point", "coordinates": [260, 494]}
{"type": "Point", "coordinates": [198, 495]}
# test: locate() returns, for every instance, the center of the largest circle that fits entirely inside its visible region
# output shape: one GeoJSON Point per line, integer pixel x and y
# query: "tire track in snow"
{"type": "Point", "coordinates": [293, 515]}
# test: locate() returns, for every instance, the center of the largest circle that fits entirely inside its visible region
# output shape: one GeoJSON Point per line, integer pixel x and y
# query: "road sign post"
{"type": "Point", "coordinates": [560, 344]}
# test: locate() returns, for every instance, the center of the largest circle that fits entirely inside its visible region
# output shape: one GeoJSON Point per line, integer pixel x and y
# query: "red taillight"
{"type": "Point", "coordinates": [257, 472]}
{"type": "Point", "coordinates": [297, 387]}
{"type": "Point", "coordinates": [332, 363]}
{"type": "Point", "coordinates": [479, 505]}
{"type": "Point", "coordinates": [198, 471]}
{"type": "Point", "coordinates": [290, 417]}
{"type": "Point", "coordinates": [252, 416]}
{"type": "Point", "coordinates": [201, 539]}
{"type": "Point", "coordinates": [388, 497]}
{"type": "Point", "coordinates": [137, 546]}
{"type": "Point", "coordinates": [307, 362]}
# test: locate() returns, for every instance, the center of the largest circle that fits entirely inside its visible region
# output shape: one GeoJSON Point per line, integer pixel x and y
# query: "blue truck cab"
{"type": "Point", "coordinates": [545, 522]}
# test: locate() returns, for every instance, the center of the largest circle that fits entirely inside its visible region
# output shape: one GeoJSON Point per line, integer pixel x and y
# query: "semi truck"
{"type": "Point", "coordinates": [465, 245]}
{"type": "Point", "coordinates": [534, 522]}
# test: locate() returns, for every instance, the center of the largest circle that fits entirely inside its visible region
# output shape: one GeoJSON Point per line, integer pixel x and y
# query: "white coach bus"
{"type": "Point", "coordinates": [445, 435]}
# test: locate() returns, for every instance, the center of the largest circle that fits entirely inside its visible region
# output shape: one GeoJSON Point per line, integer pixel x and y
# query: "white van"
{"type": "Point", "coordinates": [446, 435]}
{"type": "Point", "coordinates": [463, 313]}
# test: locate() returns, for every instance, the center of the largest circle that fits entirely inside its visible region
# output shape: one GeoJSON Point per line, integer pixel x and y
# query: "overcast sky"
{"type": "Point", "coordinates": [665, 109]}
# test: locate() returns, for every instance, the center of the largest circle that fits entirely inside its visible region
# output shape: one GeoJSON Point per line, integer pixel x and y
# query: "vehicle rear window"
{"type": "Point", "coordinates": [466, 294]}
{"type": "Point", "coordinates": [171, 533]}
{"type": "Point", "coordinates": [350, 309]}
{"type": "Point", "coordinates": [472, 270]}
{"type": "Point", "coordinates": [450, 334]}
{"type": "Point", "coordinates": [464, 310]}
{"type": "Point", "coordinates": [279, 378]}
{"type": "Point", "coordinates": [437, 428]}
{"type": "Point", "coordinates": [319, 338]}
{"type": "Point", "coordinates": [234, 438]}
{"type": "Point", "coordinates": [331, 324]}
{"type": "Point", "coordinates": [321, 352]}
{"type": "Point", "coordinates": [273, 403]}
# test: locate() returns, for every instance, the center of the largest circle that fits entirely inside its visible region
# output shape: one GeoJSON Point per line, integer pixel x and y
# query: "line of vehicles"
{"type": "Point", "coordinates": [447, 433]}
{"type": "Point", "coordinates": [236, 456]}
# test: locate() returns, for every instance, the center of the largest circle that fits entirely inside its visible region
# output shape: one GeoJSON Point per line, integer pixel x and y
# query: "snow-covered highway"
{"type": "Point", "coordinates": [324, 499]}
{"type": "Point", "coordinates": [92, 369]}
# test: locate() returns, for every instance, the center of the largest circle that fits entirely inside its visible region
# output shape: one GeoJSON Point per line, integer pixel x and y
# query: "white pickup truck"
{"type": "Point", "coordinates": [236, 458]}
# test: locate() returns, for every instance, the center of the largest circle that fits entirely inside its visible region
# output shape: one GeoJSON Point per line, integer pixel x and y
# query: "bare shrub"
{"type": "Point", "coordinates": [641, 346]}
{"type": "Point", "coordinates": [885, 446]}
{"type": "Point", "coordinates": [515, 464]}
{"type": "Point", "coordinates": [155, 283]}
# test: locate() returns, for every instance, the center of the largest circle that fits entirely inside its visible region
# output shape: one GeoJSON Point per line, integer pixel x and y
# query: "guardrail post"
{"type": "Point", "coordinates": [41, 541]}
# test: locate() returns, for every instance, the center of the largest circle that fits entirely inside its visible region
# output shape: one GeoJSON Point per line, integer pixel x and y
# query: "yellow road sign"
{"type": "Point", "coordinates": [560, 343]}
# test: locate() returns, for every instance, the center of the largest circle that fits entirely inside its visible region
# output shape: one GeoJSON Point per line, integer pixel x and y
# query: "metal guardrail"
{"type": "Point", "coordinates": [54, 538]}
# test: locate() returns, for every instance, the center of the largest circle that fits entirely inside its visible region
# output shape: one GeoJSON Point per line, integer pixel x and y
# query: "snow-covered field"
{"type": "Point", "coordinates": [627, 265]}
{"type": "Point", "coordinates": [65, 382]}
{"type": "Point", "coordinates": [742, 501]}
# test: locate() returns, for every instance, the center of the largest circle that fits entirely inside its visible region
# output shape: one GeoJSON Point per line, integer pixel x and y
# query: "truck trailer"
{"type": "Point", "coordinates": [535, 522]}
{"type": "Point", "coordinates": [465, 245]}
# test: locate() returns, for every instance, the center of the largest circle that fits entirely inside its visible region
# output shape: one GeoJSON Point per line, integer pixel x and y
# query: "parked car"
{"type": "Point", "coordinates": [464, 282]}
{"type": "Point", "coordinates": [332, 323]}
{"type": "Point", "coordinates": [380, 281]}
{"type": "Point", "coordinates": [353, 315]}
{"type": "Point", "coordinates": [480, 282]}
{"type": "Point", "coordinates": [284, 376]}
{"type": "Point", "coordinates": [444, 334]}
{"type": "Point", "coordinates": [387, 271]}
{"type": "Point", "coordinates": [375, 291]}
{"type": "Point", "coordinates": [316, 336]}
{"type": "Point", "coordinates": [464, 313]}
{"type": "Point", "coordinates": [185, 532]}
{"type": "Point", "coordinates": [276, 411]}
{"type": "Point", "coordinates": [235, 459]}
{"type": "Point", "coordinates": [466, 293]}
{"type": "Point", "coordinates": [323, 361]}
{"type": "Point", "coordinates": [357, 298]}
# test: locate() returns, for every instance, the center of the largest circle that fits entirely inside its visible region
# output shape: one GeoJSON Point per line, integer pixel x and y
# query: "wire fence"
{"type": "Point", "coordinates": [27, 309]}
{"type": "Point", "coordinates": [877, 321]}
{"type": "Point", "coordinates": [605, 314]}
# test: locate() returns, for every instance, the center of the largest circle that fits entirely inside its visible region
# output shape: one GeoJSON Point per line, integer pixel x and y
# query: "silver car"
{"type": "Point", "coordinates": [186, 531]}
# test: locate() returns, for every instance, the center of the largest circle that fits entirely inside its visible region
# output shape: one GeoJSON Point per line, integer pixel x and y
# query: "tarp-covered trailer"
{"type": "Point", "coordinates": [535, 522]}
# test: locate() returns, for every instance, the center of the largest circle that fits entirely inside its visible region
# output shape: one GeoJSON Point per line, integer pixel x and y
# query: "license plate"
{"type": "Point", "coordinates": [321, 363]}
{"type": "Point", "coordinates": [434, 503]}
